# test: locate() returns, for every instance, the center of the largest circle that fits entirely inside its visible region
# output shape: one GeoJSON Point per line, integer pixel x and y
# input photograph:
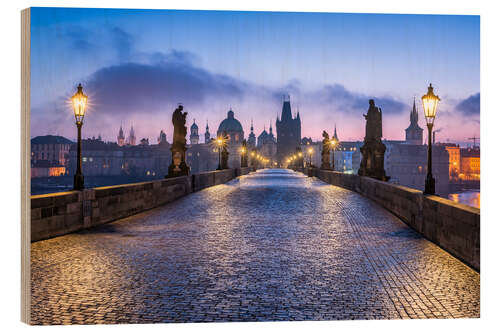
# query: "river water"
{"type": "Point", "coordinates": [469, 197]}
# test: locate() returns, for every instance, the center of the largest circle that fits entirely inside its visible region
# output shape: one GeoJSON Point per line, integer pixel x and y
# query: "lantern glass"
{"type": "Point", "coordinates": [79, 101]}
{"type": "Point", "coordinates": [429, 103]}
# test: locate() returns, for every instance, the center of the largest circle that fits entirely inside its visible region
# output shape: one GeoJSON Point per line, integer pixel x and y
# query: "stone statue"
{"type": "Point", "coordinates": [224, 154]}
{"type": "Point", "coordinates": [373, 131]}
{"type": "Point", "coordinates": [325, 152]}
{"type": "Point", "coordinates": [244, 154]}
{"type": "Point", "coordinates": [373, 150]}
{"type": "Point", "coordinates": [178, 167]}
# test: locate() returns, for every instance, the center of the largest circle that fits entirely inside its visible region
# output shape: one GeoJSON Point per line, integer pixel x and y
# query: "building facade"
{"type": "Point", "coordinates": [266, 144]}
{"type": "Point", "coordinates": [470, 164]}
{"type": "Point", "coordinates": [49, 156]}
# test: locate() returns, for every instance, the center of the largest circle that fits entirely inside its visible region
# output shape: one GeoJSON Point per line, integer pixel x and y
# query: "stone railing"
{"type": "Point", "coordinates": [453, 226]}
{"type": "Point", "coordinates": [58, 214]}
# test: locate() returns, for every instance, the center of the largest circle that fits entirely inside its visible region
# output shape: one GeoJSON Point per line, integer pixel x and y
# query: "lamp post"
{"type": "Point", "coordinates": [219, 142]}
{"type": "Point", "coordinates": [244, 162]}
{"type": "Point", "coordinates": [333, 144]}
{"type": "Point", "coordinates": [79, 102]}
{"type": "Point", "coordinates": [310, 152]}
{"type": "Point", "coordinates": [430, 102]}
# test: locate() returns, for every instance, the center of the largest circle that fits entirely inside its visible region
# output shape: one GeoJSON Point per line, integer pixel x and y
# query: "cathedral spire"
{"type": "Point", "coordinates": [335, 133]}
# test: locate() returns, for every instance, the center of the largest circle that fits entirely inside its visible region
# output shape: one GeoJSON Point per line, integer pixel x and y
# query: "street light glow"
{"type": "Point", "coordinates": [430, 102]}
{"type": "Point", "coordinates": [79, 101]}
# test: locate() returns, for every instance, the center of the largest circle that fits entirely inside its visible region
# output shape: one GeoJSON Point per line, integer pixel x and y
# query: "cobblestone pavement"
{"type": "Point", "coordinates": [273, 245]}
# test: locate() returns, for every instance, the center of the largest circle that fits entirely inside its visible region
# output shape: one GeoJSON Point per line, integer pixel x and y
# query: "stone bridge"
{"type": "Point", "coordinates": [270, 245]}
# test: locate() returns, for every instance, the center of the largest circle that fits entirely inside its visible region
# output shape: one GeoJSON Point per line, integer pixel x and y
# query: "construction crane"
{"type": "Point", "coordinates": [474, 140]}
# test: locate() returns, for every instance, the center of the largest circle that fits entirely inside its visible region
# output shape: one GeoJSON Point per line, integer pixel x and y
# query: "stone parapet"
{"type": "Point", "coordinates": [58, 214]}
{"type": "Point", "coordinates": [453, 226]}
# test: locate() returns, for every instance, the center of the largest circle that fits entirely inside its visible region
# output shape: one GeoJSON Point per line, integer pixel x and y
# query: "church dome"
{"type": "Point", "coordinates": [230, 124]}
{"type": "Point", "coordinates": [194, 126]}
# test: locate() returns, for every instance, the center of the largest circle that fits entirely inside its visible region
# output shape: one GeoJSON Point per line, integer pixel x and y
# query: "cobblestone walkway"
{"type": "Point", "coordinates": [273, 245]}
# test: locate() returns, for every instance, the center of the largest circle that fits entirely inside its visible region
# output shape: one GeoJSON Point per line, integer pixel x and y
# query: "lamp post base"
{"type": "Point", "coordinates": [78, 183]}
{"type": "Point", "coordinates": [430, 185]}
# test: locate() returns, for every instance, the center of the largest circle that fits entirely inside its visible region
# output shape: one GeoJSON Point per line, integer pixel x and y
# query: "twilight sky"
{"type": "Point", "coordinates": [136, 65]}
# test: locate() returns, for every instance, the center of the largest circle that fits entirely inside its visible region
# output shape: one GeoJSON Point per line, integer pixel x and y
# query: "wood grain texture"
{"type": "Point", "coordinates": [25, 165]}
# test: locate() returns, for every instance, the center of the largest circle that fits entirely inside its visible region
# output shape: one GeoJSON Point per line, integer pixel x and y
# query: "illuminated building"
{"type": "Point", "coordinates": [49, 155]}
{"type": "Point", "coordinates": [470, 164]}
{"type": "Point", "coordinates": [454, 159]}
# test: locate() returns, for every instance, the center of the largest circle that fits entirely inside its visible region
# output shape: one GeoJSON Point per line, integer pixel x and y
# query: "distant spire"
{"type": "Point", "coordinates": [207, 126]}
{"type": "Point", "coordinates": [251, 125]}
{"type": "Point", "coordinates": [335, 133]}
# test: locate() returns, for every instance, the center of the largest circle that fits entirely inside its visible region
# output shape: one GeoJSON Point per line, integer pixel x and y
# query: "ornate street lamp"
{"type": "Point", "coordinates": [333, 146]}
{"type": "Point", "coordinates": [244, 159]}
{"type": "Point", "coordinates": [430, 102]}
{"type": "Point", "coordinates": [220, 142]}
{"type": "Point", "coordinates": [79, 102]}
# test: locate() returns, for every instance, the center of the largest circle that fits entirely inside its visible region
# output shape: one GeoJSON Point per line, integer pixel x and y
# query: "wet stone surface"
{"type": "Point", "coordinates": [273, 245]}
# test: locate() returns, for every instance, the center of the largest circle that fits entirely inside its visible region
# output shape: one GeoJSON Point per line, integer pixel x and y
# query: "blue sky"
{"type": "Point", "coordinates": [138, 64]}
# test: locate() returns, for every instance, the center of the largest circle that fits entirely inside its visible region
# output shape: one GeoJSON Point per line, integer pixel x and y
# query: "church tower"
{"type": "Point", "coordinates": [120, 139]}
{"type": "Point", "coordinates": [131, 136]}
{"type": "Point", "coordinates": [194, 138]}
{"type": "Point", "coordinates": [251, 138]}
{"type": "Point", "coordinates": [207, 134]}
{"type": "Point", "coordinates": [414, 134]}
{"type": "Point", "coordinates": [335, 134]}
{"type": "Point", "coordinates": [288, 131]}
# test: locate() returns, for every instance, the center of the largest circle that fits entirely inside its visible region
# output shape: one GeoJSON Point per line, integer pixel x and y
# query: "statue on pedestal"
{"type": "Point", "coordinates": [244, 154]}
{"type": "Point", "coordinates": [178, 167]}
{"type": "Point", "coordinates": [325, 152]}
{"type": "Point", "coordinates": [373, 150]}
{"type": "Point", "coordinates": [224, 154]}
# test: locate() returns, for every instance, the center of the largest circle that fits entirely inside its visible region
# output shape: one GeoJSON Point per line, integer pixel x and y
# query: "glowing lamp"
{"type": "Point", "coordinates": [79, 101]}
{"type": "Point", "coordinates": [430, 102]}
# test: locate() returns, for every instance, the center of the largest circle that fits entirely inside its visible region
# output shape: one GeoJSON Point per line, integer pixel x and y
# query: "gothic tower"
{"type": "Point", "coordinates": [207, 134]}
{"type": "Point", "coordinates": [251, 138]}
{"type": "Point", "coordinates": [335, 134]}
{"type": "Point", "coordinates": [120, 139]}
{"type": "Point", "coordinates": [414, 133]}
{"type": "Point", "coordinates": [131, 136]}
{"type": "Point", "coordinates": [288, 131]}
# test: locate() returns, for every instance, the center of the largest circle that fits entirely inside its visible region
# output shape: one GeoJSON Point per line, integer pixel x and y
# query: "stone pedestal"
{"type": "Point", "coordinates": [372, 163]}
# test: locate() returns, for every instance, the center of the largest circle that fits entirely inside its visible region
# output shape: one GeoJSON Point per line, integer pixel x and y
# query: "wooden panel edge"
{"type": "Point", "coordinates": [25, 167]}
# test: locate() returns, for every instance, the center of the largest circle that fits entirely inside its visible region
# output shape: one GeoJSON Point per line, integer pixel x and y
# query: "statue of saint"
{"type": "Point", "coordinates": [373, 150]}
{"type": "Point", "coordinates": [179, 122]}
{"type": "Point", "coordinates": [325, 152]}
{"type": "Point", "coordinates": [178, 149]}
{"type": "Point", "coordinates": [373, 118]}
